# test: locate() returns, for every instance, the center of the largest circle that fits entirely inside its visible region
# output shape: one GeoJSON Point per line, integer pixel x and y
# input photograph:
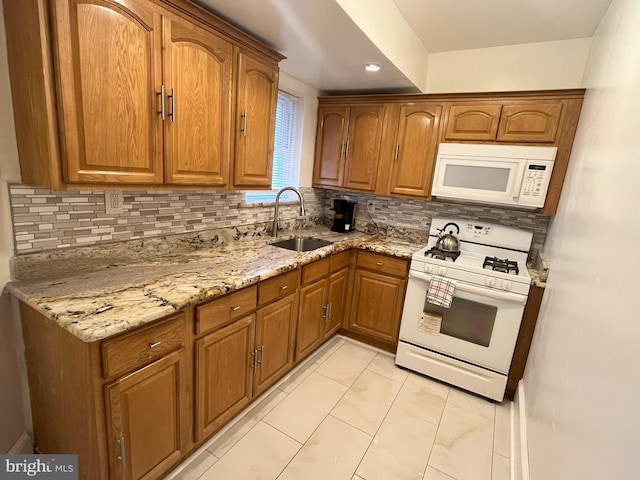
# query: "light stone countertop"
{"type": "Point", "coordinates": [95, 298]}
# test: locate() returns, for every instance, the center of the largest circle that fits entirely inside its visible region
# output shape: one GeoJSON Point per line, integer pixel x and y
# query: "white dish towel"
{"type": "Point", "coordinates": [441, 291]}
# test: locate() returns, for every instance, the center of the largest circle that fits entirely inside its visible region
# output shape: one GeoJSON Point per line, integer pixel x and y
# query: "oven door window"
{"type": "Point", "coordinates": [466, 320]}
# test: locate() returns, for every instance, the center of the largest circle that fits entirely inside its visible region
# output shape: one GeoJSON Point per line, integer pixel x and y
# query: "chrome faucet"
{"type": "Point", "coordinates": [274, 230]}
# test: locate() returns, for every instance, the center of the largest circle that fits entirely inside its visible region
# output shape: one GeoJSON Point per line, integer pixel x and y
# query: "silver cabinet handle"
{"type": "Point", "coordinates": [330, 310]}
{"type": "Point", "coordinates": [235, 309]}
{"type": "Point", "coordinates": [253, 358]}
{"type": "Point", "coordinates": [261, 356]}
{"type": "Point", "coordinates": [154, 344]}
{"type": "Point", "coordinates": [346, 153]}
{"type": "Point", "coordinates": [162, 111]}
{"type": "Point", "coordinates": [284, 287]}
{"type": "Point", "coordinates": [121, 458]}
{"type": "Point", "coordinates": [172, 114]}
{"type": "Point", "coordinates": [379, 264]}
{"type": "Point", "coordinates": [325, 312]}
{"type": "Point", "coordinates": [342, 149]}
{"type": "Point", "coordinates": [244, 123]}
{"type": "Point", "coordinates": [395, 157]}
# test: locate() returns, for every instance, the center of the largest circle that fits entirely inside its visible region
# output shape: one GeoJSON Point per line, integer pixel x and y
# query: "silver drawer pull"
{"type": "Point", "coordinates": [154, 344]}
{"type": "Point", "coordinates": [379, 264]}
{"type": "Point", "coordinates": [235, 309]}
{"type": "Point", "coordinates": [284, 287]}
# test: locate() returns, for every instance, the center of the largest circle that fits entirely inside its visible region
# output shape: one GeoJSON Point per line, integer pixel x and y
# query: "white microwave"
{"type": "Point", "coordinates": [513, 175]}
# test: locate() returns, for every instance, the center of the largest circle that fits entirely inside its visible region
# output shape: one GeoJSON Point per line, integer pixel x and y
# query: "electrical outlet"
{"type": "Point", "coordinates": [114, 202]}
{"type": "Point", "coordinates": [370, 207]}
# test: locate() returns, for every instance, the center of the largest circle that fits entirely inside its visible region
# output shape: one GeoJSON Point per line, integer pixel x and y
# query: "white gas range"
{"type": "Point", "coordinates": [471, 343]}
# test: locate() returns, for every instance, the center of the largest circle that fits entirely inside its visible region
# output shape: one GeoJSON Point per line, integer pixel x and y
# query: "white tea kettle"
{"type": "Point", "coordinates": [447, 241]}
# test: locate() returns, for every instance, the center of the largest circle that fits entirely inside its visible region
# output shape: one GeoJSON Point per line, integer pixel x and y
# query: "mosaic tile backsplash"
{"type": "Point", "coordinates": [45, 220]}
{"type": "Point", "coordinates": [401, 213]}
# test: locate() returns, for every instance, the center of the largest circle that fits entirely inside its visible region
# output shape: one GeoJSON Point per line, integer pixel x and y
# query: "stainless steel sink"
{"type": "Point", "coordinates": [301, 244]}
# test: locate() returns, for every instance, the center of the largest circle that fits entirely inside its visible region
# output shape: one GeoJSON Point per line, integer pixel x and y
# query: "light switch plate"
{"type": "Point", "coordinates": [114, 202]}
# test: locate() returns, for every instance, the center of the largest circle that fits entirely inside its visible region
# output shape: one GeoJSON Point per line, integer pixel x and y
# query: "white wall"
{"type": "Point", "coordinates": [12, 411]}
{"type": "Point", "coordinates": [582, 381]}
{"type": "Point", "coordinates": [531, 66]}
{"type": "Point", "coordinates": [306, 136]}
{"type": "Point", "coordinates": [387, 28]}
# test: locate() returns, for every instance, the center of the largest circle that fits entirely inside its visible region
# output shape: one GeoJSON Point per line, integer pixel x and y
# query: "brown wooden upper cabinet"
{"type": "Point", "coordinates": [348, 146]}
{"type": "Point", "coordinates": [523, 122]}
{"type": "Point", "coordinates": [414, 149]}
{"type": "Point", "coordinates": [134, 93]}
{"type": "Point", "coordinates": [257, 99]}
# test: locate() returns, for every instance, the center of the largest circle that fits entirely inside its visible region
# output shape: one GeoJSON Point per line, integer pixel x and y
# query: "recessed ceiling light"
{"type": "Point", "coordinates": [372, 67]}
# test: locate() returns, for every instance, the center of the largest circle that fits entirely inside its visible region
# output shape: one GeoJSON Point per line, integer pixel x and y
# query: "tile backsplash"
{"type": "Point", "coordinates": [46, 220]}
{"type": "Point", "coordinates": [417, 214]}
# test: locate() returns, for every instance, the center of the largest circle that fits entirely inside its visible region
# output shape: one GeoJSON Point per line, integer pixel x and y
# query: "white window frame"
{"type": "Point", "coordinates": [262, 197]}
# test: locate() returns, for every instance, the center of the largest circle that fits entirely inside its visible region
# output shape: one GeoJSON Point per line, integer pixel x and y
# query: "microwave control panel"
{"type": "Point", "coordinates": [535, 183]}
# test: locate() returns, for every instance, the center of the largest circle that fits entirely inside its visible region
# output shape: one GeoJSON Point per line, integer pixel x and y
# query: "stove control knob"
{"type": "Point", "coordinates": [507, 286]}
{"type": "Point", "coordinates": [442, 271]}
{"type": "Point", "coordinates": [428, 268]}
{"type": "Point", "coordinates": [491, 282]}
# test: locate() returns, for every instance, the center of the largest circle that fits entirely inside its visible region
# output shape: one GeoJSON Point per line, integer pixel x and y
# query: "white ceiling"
{"type": "Point", "coordinates": [325, 48]}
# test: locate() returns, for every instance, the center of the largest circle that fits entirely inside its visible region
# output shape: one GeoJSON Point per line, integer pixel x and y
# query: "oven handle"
{"type": "Point", "coordinates": [464, 287]}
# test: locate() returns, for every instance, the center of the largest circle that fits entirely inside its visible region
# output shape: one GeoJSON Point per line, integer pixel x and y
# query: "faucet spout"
{"type": "Point", "coordinates": [274, 230]}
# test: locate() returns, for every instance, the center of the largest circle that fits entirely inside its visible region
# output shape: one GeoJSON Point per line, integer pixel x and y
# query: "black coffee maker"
{"type": "Point", "coordinates": [343, 219]}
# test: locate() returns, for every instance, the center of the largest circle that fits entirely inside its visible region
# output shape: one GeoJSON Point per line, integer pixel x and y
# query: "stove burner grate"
{"type": "Point", "coordinates": [438, 254]}
{"type": "Point", "coordinates": [501, 265]}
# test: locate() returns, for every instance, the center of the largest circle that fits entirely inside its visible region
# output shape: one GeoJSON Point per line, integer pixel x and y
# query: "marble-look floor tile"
{"type": "Point", "coordinates": [297, 377]}
{"type": "Point", "coordinates": [333, 452]}
{"type": "Point", "coordinates": [333, 345]}
{"type": "Point", "coordinates": [423, 398]}
{"type": "Point", "coordinates": [347, 363]}
{"type": "Point", "coordinates": [433, 474]}
{"type": "Point", "coordinates": [260, 455]}
{"type": "Point", "coordinates": [463, 447]}
{"type": "Point", "coordinates": [500, 469]}
{"type": "Point", "coordinates": [400, 449]}
{"type": "Point", "coordinates": [385, 366]}
{"type": "Point", "coordinates": [306, 407]}
{"type": "Point", "coordinates": [502, 435]}
{"type": "Point", "coordinates": [228, 439]}
{"type": "Point", "coordinates": [472, 403]}
{"type": "Point", "coordinates": [367, 402]}
{"type": "Point", "coordinates": [356, 477]}
{"type": "Point", "coordinates": [196, 467]}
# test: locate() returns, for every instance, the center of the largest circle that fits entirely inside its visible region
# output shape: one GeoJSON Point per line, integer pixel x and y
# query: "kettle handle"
{"type": "Point", "coordinates": [442, 230]}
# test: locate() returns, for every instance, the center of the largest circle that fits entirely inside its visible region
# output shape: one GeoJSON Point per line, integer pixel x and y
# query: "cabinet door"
{"type": "Point", "coordinates": [336, 295]}
{"type": "Point", "coordinates": [530, 122]}
{"type": "Point", "coordinates": [312, 317]}
{"type": "Point", "coordinates": [144, 413]}
{"type": "Point", "coordinates": [362, 150]}
{"type": "Point", "coordinates": [198, 80]}
{"type": "Point", "coordinates": [328, 169]}
{"type": "Point", "coordinates": [275, 335]}
{"type": "Point", "coordinates": [415, 150]}
{"type": "Point", "coordinates": [257, 98]}
{"type": "Point", "coordinates": [224, 371]}
{"type": "Point", "coordinates": [473, 122]}
{"type": "Point", "coordinates": [109, 68]}
{"type": "Point", "coordinates": [377, 305]}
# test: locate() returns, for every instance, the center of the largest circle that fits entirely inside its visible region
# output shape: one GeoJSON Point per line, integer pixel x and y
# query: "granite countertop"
{"type": "Point", "coordinates": [103, 292]}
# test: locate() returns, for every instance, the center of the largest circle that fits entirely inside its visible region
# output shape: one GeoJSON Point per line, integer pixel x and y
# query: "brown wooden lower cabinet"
{"type": "Point", "coordinates": [143, 419]}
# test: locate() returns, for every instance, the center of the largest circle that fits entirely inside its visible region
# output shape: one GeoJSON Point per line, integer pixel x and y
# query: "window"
{"type": "Point", "coordinates": [285, 171]}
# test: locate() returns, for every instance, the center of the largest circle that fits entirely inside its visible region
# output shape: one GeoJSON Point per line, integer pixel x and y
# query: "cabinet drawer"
{"type": "Point", "coordinates": [315, 271]}
{"type": "Point", "coordinates": [382, 263]}
{"type": "Point", "coordinates": [340, 261]}
{"type": "Point", "coordinates": [136, 349]}
{"type": "Point", "coordinates": [277, 287]}
{"type": "Point", "coordinates": [222, 310]}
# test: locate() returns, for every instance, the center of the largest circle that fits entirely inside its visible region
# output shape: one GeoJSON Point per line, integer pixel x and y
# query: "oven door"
{"type": "Point", "coordinates": [480, 327]}
{"type": "Point", "coordinates": [478, 179]}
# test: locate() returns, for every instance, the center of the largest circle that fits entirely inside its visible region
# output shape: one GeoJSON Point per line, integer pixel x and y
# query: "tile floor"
{"type": "Point", "coordinates": [349, 413]}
